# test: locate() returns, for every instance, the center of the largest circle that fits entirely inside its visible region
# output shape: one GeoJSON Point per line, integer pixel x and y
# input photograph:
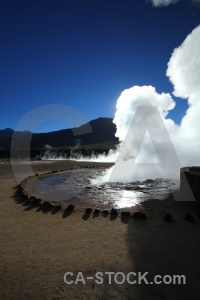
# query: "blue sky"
{"type": "Point", "coordinates": [84, 53]}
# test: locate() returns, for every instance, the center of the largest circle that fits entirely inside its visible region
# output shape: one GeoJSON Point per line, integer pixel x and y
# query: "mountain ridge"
{"type": "Point", "coordinates": [97, 131]}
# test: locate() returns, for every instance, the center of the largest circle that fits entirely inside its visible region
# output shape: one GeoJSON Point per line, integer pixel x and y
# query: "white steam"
{"type": "Point", "coordinates": [160, 3]}
{"type": "Point", "coordinates": [184, 73]}
{"type": "Point", "coordinates": [136, 96]}
{"type": "Point", "coordinates": [48, 147]}
{"type": "Point", "coordinates": [184, 68]}
{"type": "Point", "coordinates": [174, 146]}
{"type": "Point", "coordinates": [110, 157]}
{"type": "Point", "coordinates": [163, 2]}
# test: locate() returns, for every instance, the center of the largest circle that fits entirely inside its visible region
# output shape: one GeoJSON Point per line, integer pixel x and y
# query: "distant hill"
{"type": "Point", "coordinates": [101, 130]}
{"type": "Point", "coordinates": [5, 137]}
{"type": "Point", "coordinates": [6, 133]}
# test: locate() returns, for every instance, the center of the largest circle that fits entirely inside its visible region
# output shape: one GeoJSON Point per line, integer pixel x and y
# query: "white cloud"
{"type": "Point", "coordinates": [163, 2]}
{"type": "Point", "coordinates": [184, 68]}
{"type": "Point", "coordinates": [136, 96]}
{"type": "Point", "coordinates": [184, 73]}
{"type": "Point", "coordinates": [160, 3]}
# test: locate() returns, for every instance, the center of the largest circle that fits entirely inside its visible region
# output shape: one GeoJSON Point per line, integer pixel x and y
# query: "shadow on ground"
{"type": "Point", "coordinates": [165, 248]}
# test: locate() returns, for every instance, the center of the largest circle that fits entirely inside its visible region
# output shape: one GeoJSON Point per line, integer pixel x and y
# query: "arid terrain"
{"type": "Point", "coordinates": [39, 246]}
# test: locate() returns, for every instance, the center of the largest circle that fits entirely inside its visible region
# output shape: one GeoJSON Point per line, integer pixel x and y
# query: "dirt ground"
{"type": "Point", "coordinates": [39, 246]}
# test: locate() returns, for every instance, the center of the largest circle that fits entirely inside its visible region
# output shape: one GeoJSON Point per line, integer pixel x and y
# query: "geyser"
{"type": "Point", "coordinates": [73, 187]}
{"type": "Point", "coordinates": [152, 145]}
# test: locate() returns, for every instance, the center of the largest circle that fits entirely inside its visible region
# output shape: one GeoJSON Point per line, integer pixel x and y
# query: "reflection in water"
{"type": "Point", "coordinates": [75, 187]}
{"type": "Point", "coordinates": [130, 198]}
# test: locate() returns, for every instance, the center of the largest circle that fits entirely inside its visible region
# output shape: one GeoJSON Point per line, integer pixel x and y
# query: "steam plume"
{"type": "Point", "coordinates": [184, 73]}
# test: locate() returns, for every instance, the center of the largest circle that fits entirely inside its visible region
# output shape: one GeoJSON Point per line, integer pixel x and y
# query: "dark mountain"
{"type": "Point", "coordinates": [101, 130]}
{"type": "Point", "coordinates": [6, 133]}
{"type": "Point", "coordinates": [5, 137]}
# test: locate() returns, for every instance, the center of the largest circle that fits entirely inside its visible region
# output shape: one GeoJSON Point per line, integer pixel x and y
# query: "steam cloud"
{"type": "Point", "coordinates": [164, 146]}
{"type": "Point", "coordinates": [163, 2]}
{"type": "Point", "coordinates": [110, 157]}
{"type": "Point", "coordinates": [159, 3]}
{"type": "Point", "coordinates": [184, 73]}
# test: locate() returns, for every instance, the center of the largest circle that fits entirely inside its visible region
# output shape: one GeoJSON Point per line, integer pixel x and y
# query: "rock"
{"type": "Point", "coordinates": [125, 213]}
{"type": "Point", "coordinates": [105, 212]}
{"type": "Point", "coordinates": [190, 183]}
{"type": "Point", "coordinates": [114, 212]}
{"type": "Point", "coordinates": [97, 211]}
{"type": "Point", "coordinates": [189, 218]}
{"type": "Point", "coordinates": [37, 200]}
{"type": "Point", "coordinates": [168, 218]}
{"type": "Point", "coordinates": [32, 198]}
{"type": "Point", "coordinates": [149, 181]}
{"type": "Point", "coordinates": [19, 188]}
{"type": "Point", "coordinates": [88, 210]}
{"type": "Point", "coordinates": [70, 207]}
{"type": "Point", "coordinates": [58, 207]}
{"type": "Point", "coordinates": [88, 188]}
{"type": "Point", "coordinates": [139, 215]}
{"type": "Point", "coordinates": [45, 203]}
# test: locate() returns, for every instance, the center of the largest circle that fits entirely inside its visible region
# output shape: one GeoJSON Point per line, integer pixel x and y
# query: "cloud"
{"type": "Point", "coordinates": [184, 68]}
{"type": "Point", "coordinates": [136, 96]}
{"type": "Point", "coordinates": [183, 71]}
{"type": "Point", "coordinates": [158, 3]}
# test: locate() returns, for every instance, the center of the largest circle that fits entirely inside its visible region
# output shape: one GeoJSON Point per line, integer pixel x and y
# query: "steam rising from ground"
{"type": "Point", "coordinates": [184, 73]}
{"type": "Point", "coordinates": [51, 154]}
{"type": "Point", "coordinates": [152, 145]}
{"type": "Point", "coordinates": [110, 157]}
{"type": "Point", "coordinates": [159, 3]}
{"type": "Point", "coordinates": [163, 2]}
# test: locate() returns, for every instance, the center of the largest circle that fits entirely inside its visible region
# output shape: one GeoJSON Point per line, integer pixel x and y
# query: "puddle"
{"type": "Point", "coordinates": [75, 188]}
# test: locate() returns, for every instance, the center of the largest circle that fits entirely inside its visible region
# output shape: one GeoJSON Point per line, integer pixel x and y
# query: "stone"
{"type": "Point", "coordinates": [70, 207]}
{"type": "Point", "coordinates": [189, 218]}
{"type": "Point", "coordinates": [190, 183]}
{"type": "Point", "coordinates": [45, 204]}
{"type": "Point", "coordinates": [125, 213]}
{"type": "Point", "coordinates": [88, 210]}
{"type": "Point", "coordinates": [114, 212]}
{"type": "Point", "coordinates": [105, 212]}
{"type": "Point", "coordinates": [168, 218]}
{"type": "Point", "coordinates": [139, 215]}
{"type": "Point", "coordinates": [37, 200]}
{"type": "Point", "coordinates": [88, 188]}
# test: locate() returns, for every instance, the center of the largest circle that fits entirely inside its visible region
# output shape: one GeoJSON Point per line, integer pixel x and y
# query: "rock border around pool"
{"type": "Point", "coordinates": [68, 209]}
